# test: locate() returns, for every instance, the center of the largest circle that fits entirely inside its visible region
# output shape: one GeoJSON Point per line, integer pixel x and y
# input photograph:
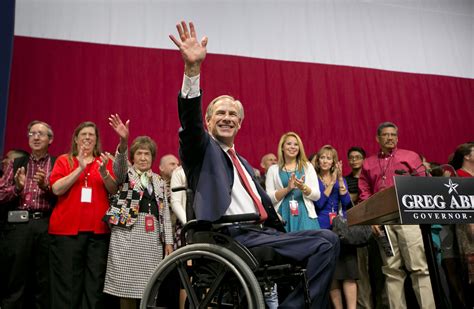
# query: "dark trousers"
{"type": "Point", "coordinates": [318, 248]}
{"type": "Point", "coordinates": [377, 278]}
{"type": "Point", "coordinates": [25, 277]}
{"type": "Point", "coordinates": [78, 266]}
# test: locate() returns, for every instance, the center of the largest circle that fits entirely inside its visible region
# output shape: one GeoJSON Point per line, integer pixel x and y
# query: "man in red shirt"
{"type": "Point", "coordinates": [377, 174]}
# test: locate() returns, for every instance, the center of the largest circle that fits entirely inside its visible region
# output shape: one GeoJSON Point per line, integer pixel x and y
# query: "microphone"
{"type": "Point", "coordinates": [442, 167]}
{"type": "Point", "coordinates": [415, 172]}
{"type": "Point", "coordinates": [400, 172]}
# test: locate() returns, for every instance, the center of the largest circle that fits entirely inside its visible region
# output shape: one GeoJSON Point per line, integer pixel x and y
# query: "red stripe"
{"type": "Point", "coordinates": [64, 83]}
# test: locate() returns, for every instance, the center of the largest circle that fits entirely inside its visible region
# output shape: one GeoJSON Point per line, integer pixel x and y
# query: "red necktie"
{"type": "Point", "coordinates": [258, 204]}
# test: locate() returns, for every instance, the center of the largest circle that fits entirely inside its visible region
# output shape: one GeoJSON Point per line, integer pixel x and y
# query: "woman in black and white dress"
{"type": "Point", "coordinates": [139, 218]}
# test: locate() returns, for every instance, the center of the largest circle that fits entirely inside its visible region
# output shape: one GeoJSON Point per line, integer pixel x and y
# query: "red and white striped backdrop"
{"type": "Point", "coordinates": [329, 70]}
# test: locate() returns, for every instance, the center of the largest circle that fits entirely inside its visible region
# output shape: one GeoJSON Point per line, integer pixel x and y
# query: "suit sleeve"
{"type": "Point", "coordinates": [192, 135]}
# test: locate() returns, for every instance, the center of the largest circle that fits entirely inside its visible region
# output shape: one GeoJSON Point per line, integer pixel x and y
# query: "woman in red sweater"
{"type": "Point", "coordinates": [82, 180]}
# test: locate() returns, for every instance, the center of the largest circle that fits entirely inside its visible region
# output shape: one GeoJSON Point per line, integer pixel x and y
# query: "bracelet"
{"type": "Point", "coordinates": [305, 190]}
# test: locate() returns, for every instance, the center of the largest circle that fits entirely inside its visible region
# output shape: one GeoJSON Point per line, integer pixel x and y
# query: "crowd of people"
{"type": "Point", "coordinates": [88, 228]}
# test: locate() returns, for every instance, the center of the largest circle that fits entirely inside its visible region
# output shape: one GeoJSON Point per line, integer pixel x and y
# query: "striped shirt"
{"type": "Point", "coordinates": [32, 197]}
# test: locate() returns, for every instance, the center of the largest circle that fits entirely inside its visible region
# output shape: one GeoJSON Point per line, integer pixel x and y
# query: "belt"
{"type": "Point", "coordinates": [38, 215]}
{"type": "Point", "coordinates": [240, 228]}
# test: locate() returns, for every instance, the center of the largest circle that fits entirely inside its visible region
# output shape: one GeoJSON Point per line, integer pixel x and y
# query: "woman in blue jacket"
{"type": "Point", "coordinates": [335, 199]}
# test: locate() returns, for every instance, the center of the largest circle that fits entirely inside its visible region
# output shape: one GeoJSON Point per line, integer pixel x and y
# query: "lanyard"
{"type": "Point", "coordinates": [289, 177]}
{"type": "Point", "coordinates": [87, 173]}
{"type": "Point", "coordinates": [383, 171]}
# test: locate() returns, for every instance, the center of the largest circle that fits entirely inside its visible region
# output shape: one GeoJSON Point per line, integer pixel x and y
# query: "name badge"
{"type": "Point", "coordinates": [294, 207]}
{"type": "Point", "coordinates": [149, 223]}
{"type": "Point", "coordinates": [86, 195]}
{"type": "Point", "coordinates": [332, 215]}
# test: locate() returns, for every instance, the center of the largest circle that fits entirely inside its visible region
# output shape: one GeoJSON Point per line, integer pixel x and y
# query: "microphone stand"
{"type": "Point", "coordinates": [439, 296]}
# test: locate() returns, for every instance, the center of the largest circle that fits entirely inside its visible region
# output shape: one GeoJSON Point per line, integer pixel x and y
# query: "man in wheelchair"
{"type": "Point", "coordinates": [224, 183]}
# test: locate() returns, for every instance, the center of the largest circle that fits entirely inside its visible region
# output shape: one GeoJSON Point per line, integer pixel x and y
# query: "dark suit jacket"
{"type": "Point", "coordinates": [208, 169]}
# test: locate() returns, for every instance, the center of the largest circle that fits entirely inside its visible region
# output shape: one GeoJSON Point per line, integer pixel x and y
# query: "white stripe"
{"type": "Point", "coordinates": [434, 36]}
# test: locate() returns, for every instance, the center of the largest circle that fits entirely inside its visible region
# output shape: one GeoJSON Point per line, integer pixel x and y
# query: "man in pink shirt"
{"type": "Point", "coordinates": [377, 174]}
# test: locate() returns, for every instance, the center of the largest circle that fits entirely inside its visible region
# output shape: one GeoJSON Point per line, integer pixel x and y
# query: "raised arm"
{"type": "Point", "coordinates": [192, 134]}
{"type": "Point", "coordinates": [120, 164]}
{"type": "Point", "coordinates": [192, 51]}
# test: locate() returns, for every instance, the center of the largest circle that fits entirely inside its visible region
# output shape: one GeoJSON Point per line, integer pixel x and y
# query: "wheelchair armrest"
{"type": "Point", "coordinates": [201, 225]}
{"type": "Point", "coordinates": [192, 226]}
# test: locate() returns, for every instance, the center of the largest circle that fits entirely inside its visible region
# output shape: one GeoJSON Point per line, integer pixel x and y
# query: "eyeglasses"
{"type": "Point", "coordinates": [355, 158]}
{"type": "Point", "coordinates": [39, 134]}
{"type": "Point", "coordinates": [389, 134]}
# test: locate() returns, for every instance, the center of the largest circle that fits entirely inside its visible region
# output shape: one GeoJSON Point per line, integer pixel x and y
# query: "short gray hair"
{"type": "Point", "coordinates": [50, 131]}
{"type": "Point", "coordinates": [386, 124]}
{"type": "Point", "coordinates": [210, 107]}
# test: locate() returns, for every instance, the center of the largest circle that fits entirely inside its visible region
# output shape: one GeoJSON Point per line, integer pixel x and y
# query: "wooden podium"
{"type": "Point", "coordinates": [380, 208]}
{"type": "Point", "coordinates": [423, 201]}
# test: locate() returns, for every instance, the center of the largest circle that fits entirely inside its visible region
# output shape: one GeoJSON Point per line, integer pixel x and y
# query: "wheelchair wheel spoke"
{"type": "Point", "coordinates": [221, 273]}
{"type": "Point", "coordinates": [186, 282]}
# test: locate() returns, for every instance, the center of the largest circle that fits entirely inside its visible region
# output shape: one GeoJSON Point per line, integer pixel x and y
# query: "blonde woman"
{"type": "Point", "coordinates": [292, 185]}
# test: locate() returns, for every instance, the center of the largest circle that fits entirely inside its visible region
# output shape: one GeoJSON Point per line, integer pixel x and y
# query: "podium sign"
{"type": "Point", "coordinates": [435, 200]}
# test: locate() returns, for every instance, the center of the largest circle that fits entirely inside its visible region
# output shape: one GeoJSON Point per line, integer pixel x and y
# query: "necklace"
{"type": "Point", "coordinates": [383, 170]}
{"type": "Point", "coordinates": [287, 169]}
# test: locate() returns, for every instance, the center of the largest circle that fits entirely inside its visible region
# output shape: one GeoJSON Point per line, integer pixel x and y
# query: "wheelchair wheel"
{"type": "Point", "coordinates": [211, 275]}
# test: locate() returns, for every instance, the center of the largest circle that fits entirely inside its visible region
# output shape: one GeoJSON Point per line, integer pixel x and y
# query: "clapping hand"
{"type": "Point", "coordinates": [40, 178]}
{"type": "Point", "coordinates": [104, 160]}
{"type": "Point", "coordinates": [81, 158]}
{"type": "Point", "coordinates": [338, 169]}
{"type": "Point", "coordinates": [299, 183]}
{"type": "Point", "coordinates": [292, 182]}
{"type": "Point", "coordinates": [20, 178]}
